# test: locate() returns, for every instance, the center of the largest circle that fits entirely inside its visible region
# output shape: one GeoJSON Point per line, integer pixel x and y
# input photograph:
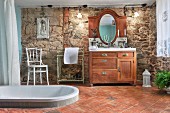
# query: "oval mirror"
{"type": "Point", "coordinates": [107, 28]}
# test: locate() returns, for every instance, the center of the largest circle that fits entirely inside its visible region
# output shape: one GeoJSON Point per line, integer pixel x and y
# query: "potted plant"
{"type": "Point", "coordinates": [162, 80]}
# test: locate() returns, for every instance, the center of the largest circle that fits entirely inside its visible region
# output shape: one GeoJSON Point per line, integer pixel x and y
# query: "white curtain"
{"type": "Point", "coordinates": [163, 27]}
{"type": "Point", "coordinates": [9, 54]}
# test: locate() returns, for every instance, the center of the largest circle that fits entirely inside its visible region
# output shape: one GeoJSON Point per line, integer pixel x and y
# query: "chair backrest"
{"type": "Point", "coordinates": [34, 56]}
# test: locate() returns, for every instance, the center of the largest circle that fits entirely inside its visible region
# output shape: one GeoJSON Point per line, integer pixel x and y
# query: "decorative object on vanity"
{"type": "Point", "coordinates": [94, 43]}
{"type": "Point", "coordinates": [119, 43]}
{"type": "Point", "coordinates": [162, 80]}
{"type": "Point", "coordinates": [107, 19]}
{"type": "Point", "coordinates": [146, 78]}
{"type": "Point", "coordinates": [125, 32]}
{"type": "Point", "coordinates": [42, 27]}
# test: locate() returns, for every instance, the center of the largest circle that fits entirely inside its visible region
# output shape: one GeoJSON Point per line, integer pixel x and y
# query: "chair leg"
{"type": "Point", "coordinates": [34, 75]}
{"type": "Point", "coordinates": [40, 76]}
{"type": "Point", "coordinates": [28, 77]}
{"type": "Point", "coordinates": [47, 75]}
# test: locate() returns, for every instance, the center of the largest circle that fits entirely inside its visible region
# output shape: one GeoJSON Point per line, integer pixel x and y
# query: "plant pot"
{"type": "Point", "coordinates": [168, 90]}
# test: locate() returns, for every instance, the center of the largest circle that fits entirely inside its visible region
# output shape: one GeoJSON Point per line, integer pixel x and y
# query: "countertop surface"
{"type": "Point", "coordinates": [111, 49]}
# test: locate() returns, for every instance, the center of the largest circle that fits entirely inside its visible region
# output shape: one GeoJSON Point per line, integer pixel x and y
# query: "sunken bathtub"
{"type": "Point", "coordinates": [37, 96]}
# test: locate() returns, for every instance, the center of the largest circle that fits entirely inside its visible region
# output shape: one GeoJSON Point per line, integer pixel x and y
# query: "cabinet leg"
{"type": "Point", "coordinates": [134, 84]}
{"type": "Point", "coordinates": [91, 85]}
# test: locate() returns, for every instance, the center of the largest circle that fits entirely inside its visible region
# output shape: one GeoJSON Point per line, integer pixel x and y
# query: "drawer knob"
{"type": "Point", "coordinates": [104, 73]}
{"type": "Point", "coordinates": [104, 54]}
{"type": "Point", "coordinates": [118, 69]}
{"type": "Point", "coordinates": [125, 54]}
{"type": "Point", "coordinates": [104, 60]}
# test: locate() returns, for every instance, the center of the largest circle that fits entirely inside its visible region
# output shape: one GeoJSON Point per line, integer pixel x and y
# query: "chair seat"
{"type": "Point", "coordinates": [38, 71]}
{"type": "Point", "coordinates": [38, 66]}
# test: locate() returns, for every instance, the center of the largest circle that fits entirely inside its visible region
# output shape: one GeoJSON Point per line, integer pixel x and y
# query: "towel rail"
{"type": "Point", "coordinates": [72, 76]}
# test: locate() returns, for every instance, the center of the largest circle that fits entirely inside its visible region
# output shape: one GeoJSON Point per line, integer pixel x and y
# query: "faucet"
{"type": "Point", "coordinates": [109, 44]}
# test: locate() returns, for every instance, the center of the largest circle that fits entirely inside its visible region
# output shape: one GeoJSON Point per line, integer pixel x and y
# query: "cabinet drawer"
{"type": "Point", "coordinates": [99, 63]}
{"type": "Point", "coordinates": [126, 54]}
{"type": "Point", "coordinates": [104, 76]}
{"type": "Point", "coordinates": [104, 54]}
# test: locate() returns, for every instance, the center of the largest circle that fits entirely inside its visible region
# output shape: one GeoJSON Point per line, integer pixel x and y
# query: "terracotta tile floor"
{"type": "Point", "coordinates": [110, 99]}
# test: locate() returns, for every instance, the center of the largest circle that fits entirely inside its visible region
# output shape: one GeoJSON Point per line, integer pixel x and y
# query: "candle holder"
{"type": "Point", "coordinates": [118, 32]}
{"type": "Point", "coordinates": [125, 32]}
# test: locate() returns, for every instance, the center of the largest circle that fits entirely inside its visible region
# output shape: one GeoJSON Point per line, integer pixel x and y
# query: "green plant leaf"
{"type": "Point", "coordinates": [162, 79]}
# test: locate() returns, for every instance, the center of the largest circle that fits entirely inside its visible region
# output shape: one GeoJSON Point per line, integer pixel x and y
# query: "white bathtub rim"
{"type": "Point", "coordinates": [43, 99]}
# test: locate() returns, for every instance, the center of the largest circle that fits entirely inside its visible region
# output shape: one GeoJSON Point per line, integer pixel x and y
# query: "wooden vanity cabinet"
{"type": "Point", "coordinates": [112, 67]}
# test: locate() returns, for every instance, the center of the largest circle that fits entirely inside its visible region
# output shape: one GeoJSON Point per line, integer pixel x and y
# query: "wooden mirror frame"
{"type": "Point", "coordinates": [94, 22]}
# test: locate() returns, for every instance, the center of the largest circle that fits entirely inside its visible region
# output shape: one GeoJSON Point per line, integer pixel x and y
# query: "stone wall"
{"type": "Point", "coordinates": [67, 30]}
{"type": "Point", "coordinates": [49, 46]}
{"type": "Point", "coordinates": [142, 36]}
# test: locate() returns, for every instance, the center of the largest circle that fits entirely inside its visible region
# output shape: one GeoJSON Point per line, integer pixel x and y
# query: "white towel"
{"type": "Point", "coordinates": [71, 55]}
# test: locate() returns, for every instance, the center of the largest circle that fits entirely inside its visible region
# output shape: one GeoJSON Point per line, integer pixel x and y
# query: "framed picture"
{"type": "Point", "coordinates": [121, 44]}
{"type": "Point", "coordinates": [42, 28]}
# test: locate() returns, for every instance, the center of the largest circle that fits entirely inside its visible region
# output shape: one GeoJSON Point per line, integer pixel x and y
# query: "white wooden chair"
{"type": "Point", "coordinates": [35, 65]}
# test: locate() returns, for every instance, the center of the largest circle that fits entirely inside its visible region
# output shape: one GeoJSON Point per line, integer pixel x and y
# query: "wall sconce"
{"type": "Point", "coordinates": [134, 13]}
{"type": "Point", "coordinates": [42, 9]}
{"type": "Point", "coordinates": [42, 13]}
{"type": "Point", "coordinates": [79, 15]}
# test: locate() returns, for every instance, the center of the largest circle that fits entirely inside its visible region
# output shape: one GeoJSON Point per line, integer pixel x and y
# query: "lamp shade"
{"type": "Point", "coordinates": [79, 15]}
{"type": "Point", "coordinates": [136, 14]}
